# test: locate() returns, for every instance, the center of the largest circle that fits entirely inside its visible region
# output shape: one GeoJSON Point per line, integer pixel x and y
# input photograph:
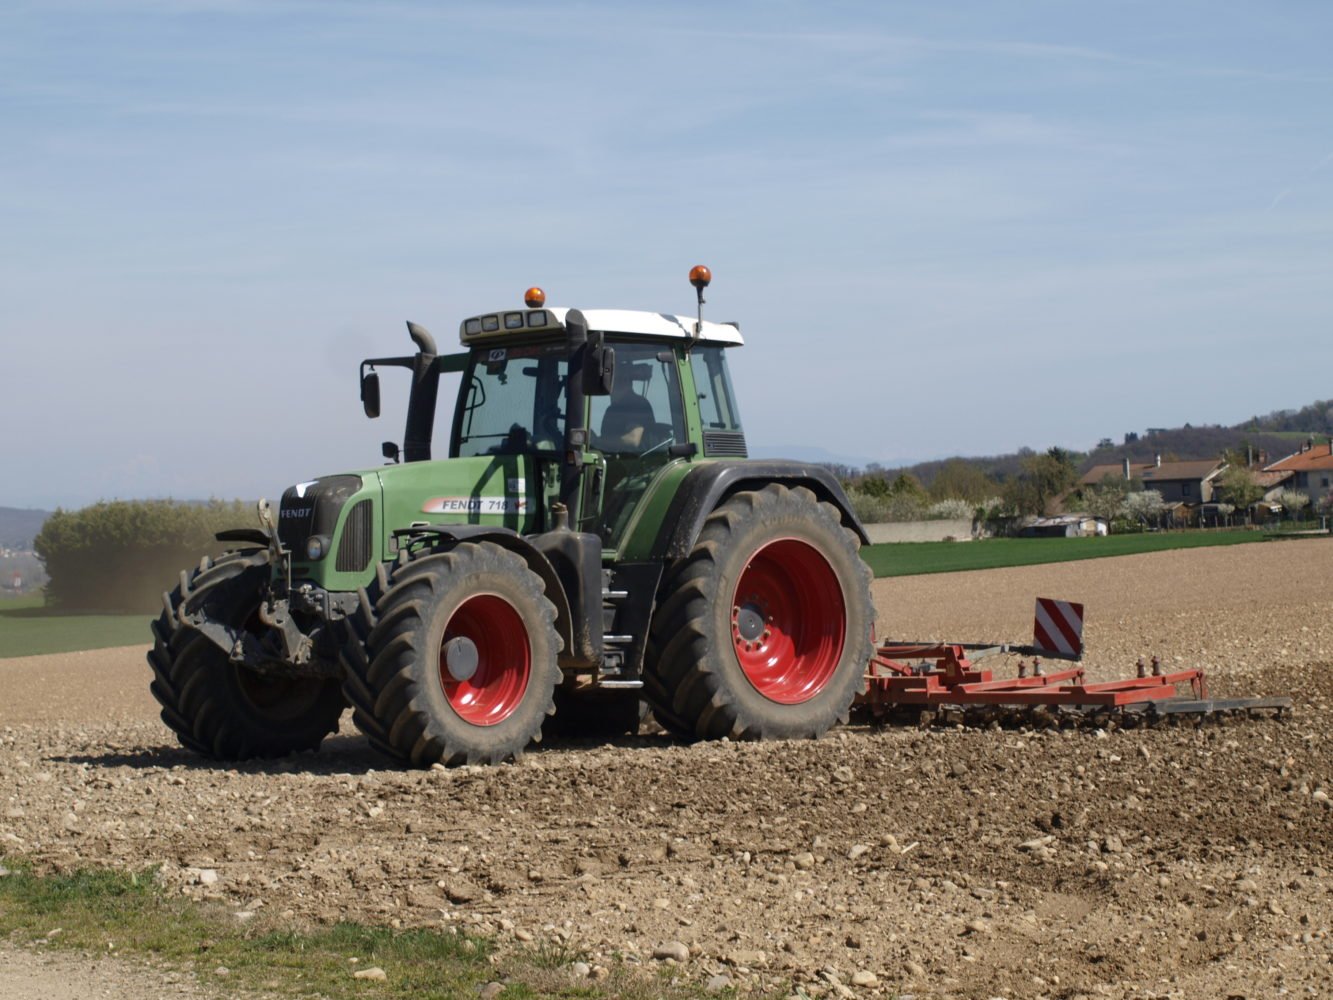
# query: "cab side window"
{"type": "Point", "coordinates": [644, 412]}
{"type": "Point", "coordinates": [717, 403]}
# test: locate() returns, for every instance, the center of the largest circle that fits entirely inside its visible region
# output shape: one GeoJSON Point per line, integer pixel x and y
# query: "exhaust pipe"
{"type": "Point", "coordinates": [421, 401]}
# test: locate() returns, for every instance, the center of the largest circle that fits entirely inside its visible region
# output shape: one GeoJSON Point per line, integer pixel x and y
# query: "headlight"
{"type": "Point", "coordinates": [316, 547]}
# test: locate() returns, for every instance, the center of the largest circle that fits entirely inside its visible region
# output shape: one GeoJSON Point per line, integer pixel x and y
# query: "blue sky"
{"type": "Point", "coordinates": [945, 228]}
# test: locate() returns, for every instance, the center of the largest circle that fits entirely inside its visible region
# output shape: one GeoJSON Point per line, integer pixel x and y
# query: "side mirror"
{"type": "Point", "coordinates": [599, 369]}
{"type": "Point", "coordinates": [370, 394]}
{"type": "Point", "coordinates": [389, 450]}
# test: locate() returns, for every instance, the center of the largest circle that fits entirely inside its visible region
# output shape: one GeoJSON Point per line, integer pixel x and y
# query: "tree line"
{"type": "Point", "coordinates": [1041, 483]}
{"type": "Point", "coordinates": [120, 556]}
{"type": "Point", "coordinates": [958, 487]}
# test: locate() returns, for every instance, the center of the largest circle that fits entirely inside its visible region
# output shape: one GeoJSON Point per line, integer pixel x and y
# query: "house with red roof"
{"type": "Point", "coordinates": [1311, 470]}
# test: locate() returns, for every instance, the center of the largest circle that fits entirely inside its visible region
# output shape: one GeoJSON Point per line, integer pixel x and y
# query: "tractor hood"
{"type": "Point", "coordinates": [354, 512]}
{"type": "Point", "coordinates": [500, 490]}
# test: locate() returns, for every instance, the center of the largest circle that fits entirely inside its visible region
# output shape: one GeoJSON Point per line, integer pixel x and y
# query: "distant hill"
{"type": "Point", "coordinates": [1266, 438]}
{"type": "Point", "coordinates": [806, 453]}
{"type": "Point", "coordinates": [1317, 418]}
{"type": "Point", "coordinates": [19, 526]}
{"type": "Point", "coordinates": [1188, 443]}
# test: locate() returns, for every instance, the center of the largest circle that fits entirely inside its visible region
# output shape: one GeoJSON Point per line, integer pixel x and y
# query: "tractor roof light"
{"type": "Point", "coordinates": [700, 276]}
{"type": "Point", "coordinates": [534, 298]}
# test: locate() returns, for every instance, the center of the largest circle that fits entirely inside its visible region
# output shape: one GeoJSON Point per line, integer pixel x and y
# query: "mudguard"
{"type": "Point", "coordinates": [708, 484]}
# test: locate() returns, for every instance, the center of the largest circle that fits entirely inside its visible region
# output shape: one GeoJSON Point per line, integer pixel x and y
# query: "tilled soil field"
{"type": "Point", "coordinates": [1165, 862]}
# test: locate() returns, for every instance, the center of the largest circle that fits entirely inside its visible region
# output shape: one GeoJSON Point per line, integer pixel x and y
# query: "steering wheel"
{"type": "Point", "coordinates": [514, 443]}
{"type": "Point", "coordinates": [666, 442]}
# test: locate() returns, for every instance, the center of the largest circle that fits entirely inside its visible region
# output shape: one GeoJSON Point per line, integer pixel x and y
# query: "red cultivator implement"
{"type": "Point", "coordinates": [935, 679]}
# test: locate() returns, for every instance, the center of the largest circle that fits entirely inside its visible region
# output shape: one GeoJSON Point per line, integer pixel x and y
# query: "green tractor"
{"type": "Point", "coordinates": [595, 545]}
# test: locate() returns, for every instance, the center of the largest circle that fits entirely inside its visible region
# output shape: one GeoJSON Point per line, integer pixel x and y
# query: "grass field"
{"type": "Point", "coordinates": [27, 628]}
{"type": "Point", "coordinates": [914, 558]}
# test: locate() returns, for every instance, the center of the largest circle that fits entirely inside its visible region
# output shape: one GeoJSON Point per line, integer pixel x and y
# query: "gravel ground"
{"type": "Point", "coordinates": [1172, 862]}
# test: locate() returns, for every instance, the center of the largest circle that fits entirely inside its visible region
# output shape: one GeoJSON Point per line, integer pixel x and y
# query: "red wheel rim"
{"type": "Point", "coordinates": [788, 621]}
{"type": "Point", "coordinates": [504, 660]}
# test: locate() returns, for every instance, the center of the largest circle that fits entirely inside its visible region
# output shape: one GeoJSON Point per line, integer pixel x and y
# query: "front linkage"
{"type": "Point", "coordinates": [272, 641]}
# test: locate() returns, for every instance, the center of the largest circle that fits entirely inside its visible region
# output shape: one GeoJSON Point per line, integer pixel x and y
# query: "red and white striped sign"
{"type": "Point", "coordinates": [1057, 627]}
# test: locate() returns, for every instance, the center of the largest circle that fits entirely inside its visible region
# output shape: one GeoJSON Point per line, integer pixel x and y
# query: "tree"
{"type": "Point", "coordinates": [1294, 502]}
{"type": "Point", "coordinates": [120, 556]}
{"type": "Point", "coordinates": [961, 480]}
{"type": "Point", "coordinates": [1107, 499]}
{"type": "Point", "coordinates": [875, 486]}
{"type": "Point", "coordinates": [1042, 479]}
{"type": "Point", "coordinates": [1238, 487]}
{"type": "Point", "coordinates": [953, 508]}
{"type": "Point", "coordinates": [1145, 507]}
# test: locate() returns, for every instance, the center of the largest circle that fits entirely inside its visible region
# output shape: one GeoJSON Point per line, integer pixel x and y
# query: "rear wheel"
{"type": "Point", "coordinates": [764, 630]}
{"type": "Point", "coordinates": [454, 659]}
{"type": "Point", "coordinates": [219, 708]}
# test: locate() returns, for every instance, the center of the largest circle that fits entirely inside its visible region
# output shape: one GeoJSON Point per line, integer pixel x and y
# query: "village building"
{"type": "Point", "coordinates": [1310, 469]}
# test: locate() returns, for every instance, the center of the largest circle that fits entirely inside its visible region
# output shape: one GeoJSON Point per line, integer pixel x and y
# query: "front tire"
{"type": "Point", "coordinates": [764, 630]}
{"type": "Point", "coordinates": [221, 709]}
{"type": "Point", "coordinates": [454, 659]}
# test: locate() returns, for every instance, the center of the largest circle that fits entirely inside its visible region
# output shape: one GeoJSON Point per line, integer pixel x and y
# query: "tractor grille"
{"type": "Point", "coordinates": [312, 509]}
{"type": "Point", "coordinates": [354, 549]}
{"type": "Point", "coordinates": [728, 444]}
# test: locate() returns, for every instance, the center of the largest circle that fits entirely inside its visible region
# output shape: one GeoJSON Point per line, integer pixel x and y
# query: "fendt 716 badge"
{"type": "Point", "coordinates": [475, 505]}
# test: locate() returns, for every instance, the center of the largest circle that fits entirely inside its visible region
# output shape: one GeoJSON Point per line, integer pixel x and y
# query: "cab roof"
{"type": "Point", "coordinates": [499, 326]}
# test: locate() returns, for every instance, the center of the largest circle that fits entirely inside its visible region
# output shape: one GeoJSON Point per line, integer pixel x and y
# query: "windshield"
{"type": "Point", "coordinates": [512, 401]}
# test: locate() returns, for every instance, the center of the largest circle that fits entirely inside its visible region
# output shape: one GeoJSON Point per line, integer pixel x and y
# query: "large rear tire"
{"type": "Point", "coordinates": [221, 709]}
{"type": "Point", "coordinates": [453, 658]}
{"type": "Point", "coordinates": [764, 630]}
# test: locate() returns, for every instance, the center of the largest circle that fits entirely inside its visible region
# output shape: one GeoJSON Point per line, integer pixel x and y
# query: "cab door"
{"type": "Point", "coordinates": [633, 431]}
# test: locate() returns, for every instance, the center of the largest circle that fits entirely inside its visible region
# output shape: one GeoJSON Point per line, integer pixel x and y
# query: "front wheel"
{"type": "Point", "coordinates": [764, 630]}
{"type": "Point", "coordinates": [454, 661]}
{"type": "Point", "coordinates": [219, 708]}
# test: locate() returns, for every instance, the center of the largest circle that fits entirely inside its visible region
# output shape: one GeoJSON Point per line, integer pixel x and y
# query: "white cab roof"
{"type": "Point", "coordinates": [651, 324]}
{"type": "Point", "coordinates": [500, 326]}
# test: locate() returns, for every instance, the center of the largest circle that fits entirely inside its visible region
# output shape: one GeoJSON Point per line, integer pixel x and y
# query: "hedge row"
{"type": "Point", "coordinates": [120, 556]}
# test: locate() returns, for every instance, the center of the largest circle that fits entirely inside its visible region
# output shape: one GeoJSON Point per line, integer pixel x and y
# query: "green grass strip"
{"type": "Point", "coordinates": [915, 558]}
{"type": "Point", "coordinates": [27, 628]}
{"type": "Point", "coordinates": [129, 915]}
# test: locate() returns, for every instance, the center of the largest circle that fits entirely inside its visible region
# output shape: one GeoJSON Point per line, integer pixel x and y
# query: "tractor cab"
{"type": "Point", "coordinates": [650, 390]}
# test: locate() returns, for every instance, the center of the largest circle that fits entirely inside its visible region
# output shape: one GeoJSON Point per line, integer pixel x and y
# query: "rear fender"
{"type": "Point", "coordinates": [710, 484]}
